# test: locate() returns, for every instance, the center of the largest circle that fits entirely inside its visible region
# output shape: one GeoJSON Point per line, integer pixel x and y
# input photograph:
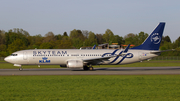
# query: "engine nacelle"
{"type": "Point", "coordinates": [75, 64]}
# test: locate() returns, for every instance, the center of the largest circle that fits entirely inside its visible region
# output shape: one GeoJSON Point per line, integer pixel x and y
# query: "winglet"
{"type": "Point", "coordinates": [94, 47]}
{"type": "Point", "coordinates": [125, 51]}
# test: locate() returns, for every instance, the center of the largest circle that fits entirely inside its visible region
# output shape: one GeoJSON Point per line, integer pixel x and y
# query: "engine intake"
{"type": "Point", "coordinates": [75, 64]}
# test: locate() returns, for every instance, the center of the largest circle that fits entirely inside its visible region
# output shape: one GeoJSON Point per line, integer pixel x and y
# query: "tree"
{"type": "Point", "coordinates": [130, 39]}
{"type": "Point", "coordinates": [2, 37]}
{"type": "Point", "coordinates": [77, 43]}
{"type": "Point", "coordinates": [16, 45]}
{"type": "Point", "coordinates": [76, 34]}
{"type": "Point", "coordinates": [45, 45]}
{"type": "Point", "coordinates": [166, 46]}
{"type": "Point", "coordinates": [3, 51]}
{"type": "Point", "coordinates": [77, 38]}
{"type": "Point", "coordinates": [11, 36]}
{"type": "Point", "coordinates": [92, 38]}
{"type": "Point", "coordinates": [135, 39]}
{"type": "Point", "coordinates": [85, 33]}
{"type": "Point", "coordinates": [108, 36]}
{"type": "Point", "coordinates": [166, 38]}
{"type": "Point", "coordinates": [99, 38]}
{"type": "Point", "coordinates": [141, 37]}
{"type": "Point", "coordinates": [59, 37]}
{"type": "Point", "coordinates": [118, 39]}
{"type": "Point", "coordinates": [176, 44]}
{"type": "Point", "coordinates": [91, 41]}
{"type": "Point", "coordinates": [36, 41]}
{"type": "Point", "coordinates": [49, 37]}
{"type": "Point", "coordinates": [63, 44]}
{"type": "Point", "coordinates": [65, 34]}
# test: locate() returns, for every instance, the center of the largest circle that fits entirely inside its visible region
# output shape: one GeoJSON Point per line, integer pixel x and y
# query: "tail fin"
{"type": "Point", "coordinates": [154, 39]}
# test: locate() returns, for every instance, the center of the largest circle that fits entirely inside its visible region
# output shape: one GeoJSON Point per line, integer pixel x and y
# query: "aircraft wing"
{"type": "Point", "coordinates": [95, 61]}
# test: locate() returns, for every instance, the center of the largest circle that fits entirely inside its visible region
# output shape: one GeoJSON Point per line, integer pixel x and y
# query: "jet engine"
{"type": "Point", "coordinates": [75, 64]}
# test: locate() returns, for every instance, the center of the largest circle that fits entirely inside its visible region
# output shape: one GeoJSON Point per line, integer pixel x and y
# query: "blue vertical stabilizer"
{"type": "Point", "coordinates": [153, 41]}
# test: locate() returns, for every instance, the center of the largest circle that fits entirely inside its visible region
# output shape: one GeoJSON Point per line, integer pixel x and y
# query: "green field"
{"type": "Point", "coordinates": [153, 63]}
{"type": "Point", "coordinates": [90, 88]}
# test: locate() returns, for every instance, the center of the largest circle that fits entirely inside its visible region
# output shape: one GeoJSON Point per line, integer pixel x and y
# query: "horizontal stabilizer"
{"type": "Point", "coordinates": [156, 52]}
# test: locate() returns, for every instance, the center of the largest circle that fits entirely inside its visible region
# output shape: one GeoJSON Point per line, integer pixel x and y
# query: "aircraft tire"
{"type": "Point", "coordinates": [91, 68]}
{"type": "Point", "coordinates": [86, 68]}
{"type": "Point", "coordinates": [20, 69]}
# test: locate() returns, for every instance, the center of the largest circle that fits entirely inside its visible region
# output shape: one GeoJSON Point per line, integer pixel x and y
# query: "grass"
{"type": "Point", "coordinates": [10, 66]}
{"type": "Point", "coordinates": [152, 63]}
{"type": "Point", "coordinates": [2, 61]}
{"type": "Point", "coordinates": [90, 88]}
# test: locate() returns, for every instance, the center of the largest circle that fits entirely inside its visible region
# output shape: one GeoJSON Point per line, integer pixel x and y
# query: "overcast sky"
{"type": "Point", "coordinates": [120, 16]}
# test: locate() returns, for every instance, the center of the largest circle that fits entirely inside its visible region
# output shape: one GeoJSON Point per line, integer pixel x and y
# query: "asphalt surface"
{"type": "Point", "coordinates": [96, 71]}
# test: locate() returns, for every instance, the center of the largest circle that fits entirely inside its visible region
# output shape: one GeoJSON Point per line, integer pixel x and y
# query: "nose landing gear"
{"type": "Point", "coordinates": [20, 69]}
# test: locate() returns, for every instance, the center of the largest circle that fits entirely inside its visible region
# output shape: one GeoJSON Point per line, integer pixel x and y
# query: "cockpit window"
{"type": "Point", "coordinates": [13, 54]}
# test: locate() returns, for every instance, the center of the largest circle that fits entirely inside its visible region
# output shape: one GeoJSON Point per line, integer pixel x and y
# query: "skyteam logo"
{"type": "Point", "coordinates": [155, 38]}
{"type": "Point", "coordinates": [128, 55]}
{"type": "Point", "coordinates": [44, 60]}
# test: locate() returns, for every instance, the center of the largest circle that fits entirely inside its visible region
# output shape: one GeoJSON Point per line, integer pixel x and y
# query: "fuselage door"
{"type": "Point", "coordinates": [25, 55]}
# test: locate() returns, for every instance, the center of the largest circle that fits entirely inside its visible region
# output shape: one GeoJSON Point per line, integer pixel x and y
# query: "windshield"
{"type": "Point", "coordinates": [14, 54]}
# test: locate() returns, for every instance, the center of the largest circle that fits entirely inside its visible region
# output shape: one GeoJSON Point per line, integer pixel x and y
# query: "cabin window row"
{"type": "Point", "coordinates": [74, 55]}
{"type": "Point", "coordinates": [48, 55]}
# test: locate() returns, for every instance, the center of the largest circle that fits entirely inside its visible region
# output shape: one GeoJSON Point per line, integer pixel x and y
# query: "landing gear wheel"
{"type": "Point", "coordinates": [20, 69]}
{"type": "Point", "coordinates": [86, 68]}
{"type": "Point", "coordinates": [91, 68]}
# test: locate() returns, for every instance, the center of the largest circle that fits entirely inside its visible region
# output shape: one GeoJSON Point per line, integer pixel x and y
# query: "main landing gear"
{"type": "Point", "coordinates": [88, 68]}
{"type": "Point", "coordinates": [91, 68]}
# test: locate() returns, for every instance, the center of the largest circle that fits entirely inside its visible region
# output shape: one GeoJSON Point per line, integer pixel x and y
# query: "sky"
{"type": "Point", "coordinates": [120, 16]}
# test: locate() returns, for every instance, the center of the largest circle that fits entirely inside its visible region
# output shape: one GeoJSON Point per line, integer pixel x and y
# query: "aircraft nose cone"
{"type": "Point", "coordinates": [7, 59]}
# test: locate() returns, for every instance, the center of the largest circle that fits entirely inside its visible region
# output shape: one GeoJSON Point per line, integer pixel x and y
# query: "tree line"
{"type": "Point", "coordinates": [18, 39]}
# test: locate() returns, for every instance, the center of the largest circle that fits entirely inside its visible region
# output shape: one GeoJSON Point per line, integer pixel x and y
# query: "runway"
{"type": "Point", "coordinates": [96, 71]}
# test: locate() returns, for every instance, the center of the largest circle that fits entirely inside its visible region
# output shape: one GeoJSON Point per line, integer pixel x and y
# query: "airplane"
{"type": "Point", "coordinates": [77, 59]}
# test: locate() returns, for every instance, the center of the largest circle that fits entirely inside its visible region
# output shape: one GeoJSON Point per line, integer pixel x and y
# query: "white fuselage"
{"type": "Point", "coordinates": [61, 56]}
